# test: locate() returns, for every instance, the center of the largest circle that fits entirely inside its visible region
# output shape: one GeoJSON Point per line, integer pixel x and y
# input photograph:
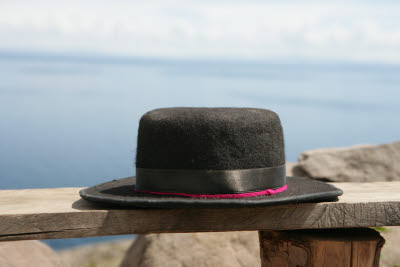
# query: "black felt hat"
{"type": "Point", "coordinates": [211, 157]}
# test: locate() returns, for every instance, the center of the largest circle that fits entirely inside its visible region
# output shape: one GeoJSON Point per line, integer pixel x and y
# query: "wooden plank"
{"type": "Point", "coordinates": [61, 213]}
{"type": "Point", "coordinates": [355, 247]}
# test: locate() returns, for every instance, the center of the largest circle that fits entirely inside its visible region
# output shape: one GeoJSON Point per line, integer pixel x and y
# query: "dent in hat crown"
{"type": "Point", "coordinates": [210, 139]}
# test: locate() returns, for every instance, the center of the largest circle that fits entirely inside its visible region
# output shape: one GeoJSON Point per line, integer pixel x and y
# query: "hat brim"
{"type": "Point", "coordinates": [122, 192]}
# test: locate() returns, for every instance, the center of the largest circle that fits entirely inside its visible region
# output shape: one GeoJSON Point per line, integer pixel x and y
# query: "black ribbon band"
{"type": "Point", "coordinates": [210, 181]}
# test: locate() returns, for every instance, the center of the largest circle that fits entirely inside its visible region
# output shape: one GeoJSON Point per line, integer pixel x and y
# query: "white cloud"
{"type": "Point", "coordinates": [316, 30]}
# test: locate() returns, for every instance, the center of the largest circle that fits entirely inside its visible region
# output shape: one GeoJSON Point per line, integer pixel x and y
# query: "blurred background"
{"type": "Point", "coordinates": [75, 77]}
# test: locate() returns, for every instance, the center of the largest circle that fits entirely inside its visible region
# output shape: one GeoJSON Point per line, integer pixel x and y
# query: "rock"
{"type": "Point", "coordinates": [293, 169]}
{"type": "Point", "coordinates": [390, 255]}
{"type": "Point", "coordinates": [102, 254]}
{"type": "Point", "coordinates": [195, 249]}
{"type": "Point", "coordinates": [28, 253]}
{"type": "Point", "coordinates": [361, 163]}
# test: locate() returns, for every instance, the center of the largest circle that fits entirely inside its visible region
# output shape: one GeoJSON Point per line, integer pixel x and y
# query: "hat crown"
{"type": "Point", "coordinates": [210, 139]}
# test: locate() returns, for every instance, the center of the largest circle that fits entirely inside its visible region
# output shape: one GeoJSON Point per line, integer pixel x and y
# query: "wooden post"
{"type": "Point", "coordinates": [352, 247]}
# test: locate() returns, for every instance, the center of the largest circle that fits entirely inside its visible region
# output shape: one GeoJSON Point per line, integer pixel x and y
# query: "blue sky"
{"type": "Point", "coordinates": [359, 31]}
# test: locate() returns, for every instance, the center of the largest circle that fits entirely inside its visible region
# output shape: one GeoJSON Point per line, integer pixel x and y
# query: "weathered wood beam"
{"type": "Point", "coordinates": [61, 213]}
{"type": "Point", "coordinates": [354, 247]}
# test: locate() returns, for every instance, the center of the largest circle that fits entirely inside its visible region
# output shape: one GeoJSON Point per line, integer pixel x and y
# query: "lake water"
{"type": "Point", "coordinates": [72, 121]}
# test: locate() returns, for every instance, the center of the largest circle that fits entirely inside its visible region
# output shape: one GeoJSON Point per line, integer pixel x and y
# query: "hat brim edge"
{"type": "Point", "coordinates": [326, 193]}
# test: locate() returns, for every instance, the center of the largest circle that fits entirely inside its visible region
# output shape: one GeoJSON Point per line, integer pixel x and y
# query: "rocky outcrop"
{"type": "Point", "coordinates": [102, 254]}
{"type": "Point", "coordinates": [390, 255]}
{"type": "Point", "coordinates": [28, 253]}
{"type": "Point", "coordinates": [362, 163]}
{"type": "Point", "coordinates": [232, 249]}
{"type": "Point", "coordinates": [219, 249]}
{"type": "Point", "coordinates": [293, 169]}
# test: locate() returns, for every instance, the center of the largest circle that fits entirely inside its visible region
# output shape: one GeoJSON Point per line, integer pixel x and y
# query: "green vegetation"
{"type": "Point", "coordinates": [382, 230]}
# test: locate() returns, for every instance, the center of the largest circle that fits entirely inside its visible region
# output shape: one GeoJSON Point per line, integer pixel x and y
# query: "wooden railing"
{"type": "Point", "coordinates": [61, 213]}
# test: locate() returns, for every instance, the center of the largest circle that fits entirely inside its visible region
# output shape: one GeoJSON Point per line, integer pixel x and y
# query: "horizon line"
{"type": "Point", "coordinates": [107, 58]}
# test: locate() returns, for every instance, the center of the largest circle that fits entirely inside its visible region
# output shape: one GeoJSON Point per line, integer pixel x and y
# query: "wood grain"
{"type": "Point", "coordinates": [61, 213]}
{"type": "Point", "coordinates": [354, 247]}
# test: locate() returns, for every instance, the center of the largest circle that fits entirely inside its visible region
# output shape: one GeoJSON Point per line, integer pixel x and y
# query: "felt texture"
{"type": "Point", "coordinates": [122, 192]}
{"type": "Point", "coordinates": [210, 138]}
